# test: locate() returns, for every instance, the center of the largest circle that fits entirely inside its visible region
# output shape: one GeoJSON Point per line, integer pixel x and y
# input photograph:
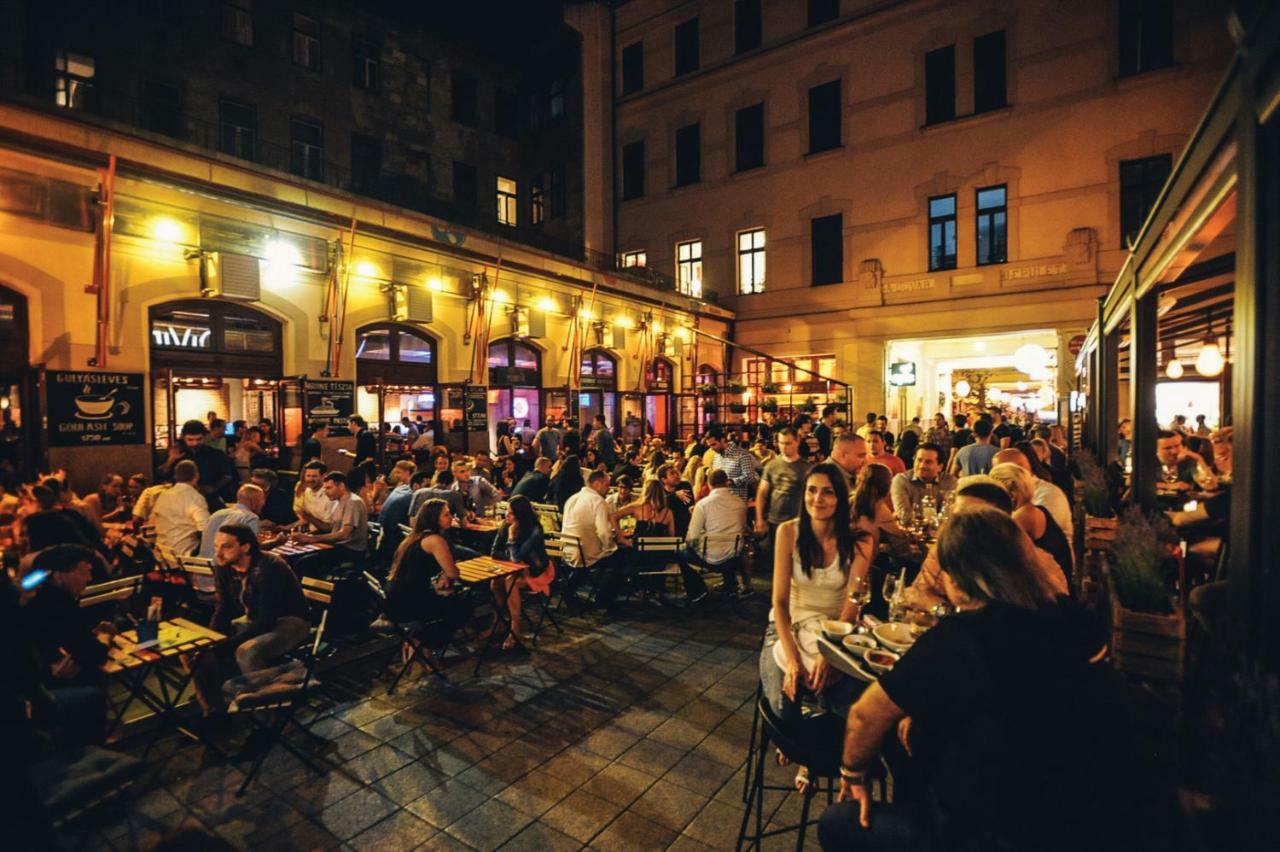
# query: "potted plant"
{"type": "Point", "coordinates": [810, 406]}
{"type": "Point", "coordinates": [736, 387]}
{"type": "Point", "coordinates": [708, 390]}
{"type": "Point", "coordinates": [737, 408]}
{"type": "Point", "coordinates": [768, 387]}
{"type": "Point", "coordinates": [1095, 496]}
{"type": "Point", "coordinates": [710, 407]}
{"type": "Point", "coordinates": [770, 405]}
{"type": "Point", "coordinates": [1148, 623]}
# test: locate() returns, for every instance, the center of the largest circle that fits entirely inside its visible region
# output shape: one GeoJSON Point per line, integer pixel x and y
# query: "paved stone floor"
{"type": "Point", "coordinates": [630, 734]}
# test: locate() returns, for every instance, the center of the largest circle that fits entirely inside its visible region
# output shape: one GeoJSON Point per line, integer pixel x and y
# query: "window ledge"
{"type": "Point", "coordinates": [682, 187]}
{"type": "Point", "coordinates": [826, 152]}
{"type": "Point", "coordinates": [1141, 78]}
{"type": "Point", "coordinates": [746, 173]}
{"type": "Point", "coordinates": [968, 120]}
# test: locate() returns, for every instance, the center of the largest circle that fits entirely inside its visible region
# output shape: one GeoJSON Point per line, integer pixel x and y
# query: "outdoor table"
{"type": "Point", "coordinates": [477, 573]}
{"type": "Point", "coordinates": [134, 665]}
{"type": "Point", "coordinates": [842, 661]}
{"type": "Point", "coordinates": [478, 533]}
{"type": "Point", "coordinates": [293, 548]}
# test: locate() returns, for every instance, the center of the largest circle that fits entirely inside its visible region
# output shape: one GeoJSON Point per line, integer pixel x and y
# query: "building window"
{"type": "Point", "coordinates": [687, 47]}
{"type": "Point", "coordinates": [1140, 185]}
{"type": "Point", "coordinates": [464, 97]}
{"type": "Point", "coordinates": [826, 244]}
{"type": "Point", "coordinates": [237, 129]}
{"type": "Point", "coordinates": [751, 261]}
{"type": "Point", "coordinates": [306, 149]}
{"type": "Point", "coordinates": [824, 117]}
{"type": "Point", "coordinates": [633, 68]}
{"type": "Point", "coordinates": [821, 11]}
{"type": "Point", "coordinates": [306, 42]}
{"type": "Point", "coordinates": [73, 80]}
{"type": "Point", "coordinates": [747, 29]}
{"type": "Point", "coordinates": [689, 268]}
{"type": "Point", "coordinates": [507, 198]}
{"type": "Point", "coordinates": [1146, 35]}
{"type": "Point", "coordinates": [631, 259]}
{"type": "Point", "coordinates": [989, 74]}
{"type": "Point", "coordinates": [993, 225]}
{"type": "Point", "coordinates": [688, 155]}
{"type": "Point", "coordinates": [537, 202]}
{"type": "Point", "coordinates": [555, 101]}
{"type": "Point", "coordinates": [365, 65]}
{"type": "Point", "coordinates": [748, 138]}
{"type": "Point", "coordinates": [942, 232]}
{"type": "Point", "coordinates": [464, 185]}
{"type": "Point", "coordinates": [366, 162]}
{"type": "Point", "coordinates": [559, 196]}
{"type": "Point", "coordinates": [161, 108]}
{"type": "Point", "coordinates": [940, 85]}
{"type": "Point", "coordinates": [237, 22]}
{"type": "Point", "coordinates": [633, 170]}
{"type": "Point", "coordinates": [506, 113]}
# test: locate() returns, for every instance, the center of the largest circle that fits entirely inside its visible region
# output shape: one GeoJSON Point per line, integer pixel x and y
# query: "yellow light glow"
{"type": "Point", "coordinates": [548, 304]}
{"type": "Point", "coordinates": [786, 388]}
{"type": "Point", "coordinates": [657, 327]}
{"type": "Point", "coordinates": [684, 334]}
{"type": "Point", "coordinates": [282, 261]}
{"type": "Point", "coordinates": [1174, 370]}
{"type": "Point", "coordinates": [1209, 361]}
{"type": "Point", "coordinates": [587, 314]}
{"type": "Point", "coordinates": [435, 284]}
{"type": "Point", "coordinates": [502, 297]}
{"type": "Point", "coordinates": [168, 230]}
{"type": "Point", "coordinates": [624, 321]}
{"type": "Point", "coordinates": [365, 269]}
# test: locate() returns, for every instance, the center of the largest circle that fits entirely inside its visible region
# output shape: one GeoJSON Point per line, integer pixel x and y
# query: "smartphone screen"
{"type": "Point", "coordinates": [34, 579]}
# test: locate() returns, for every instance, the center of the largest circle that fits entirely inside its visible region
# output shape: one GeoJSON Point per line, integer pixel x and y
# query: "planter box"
{"type": "Point", "coordinates": [1146, 646]}
{"type": "Point", "coordinates": [1099, 533]}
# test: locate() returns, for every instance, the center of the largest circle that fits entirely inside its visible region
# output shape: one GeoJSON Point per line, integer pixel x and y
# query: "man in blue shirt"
{"type": "Point", "coordinates": [395, 508]}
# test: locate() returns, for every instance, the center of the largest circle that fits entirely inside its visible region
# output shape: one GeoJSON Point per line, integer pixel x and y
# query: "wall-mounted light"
{"type": "Point", "coordinates": [624, 321]}
{"type": "Point", "coordinates": [435, 284]}
{"type": "Point", "coordinates": [168, 230]}
{"type": "Point", "coordinates": [366, 269]}
{"type": "Point", "coordinates": [547, 304]}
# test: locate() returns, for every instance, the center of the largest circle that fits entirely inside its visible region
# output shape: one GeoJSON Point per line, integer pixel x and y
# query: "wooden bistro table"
{"type": "Point", "coordinates": [477, 574]}
{"type": "Point", "coordinates": [134, 665]}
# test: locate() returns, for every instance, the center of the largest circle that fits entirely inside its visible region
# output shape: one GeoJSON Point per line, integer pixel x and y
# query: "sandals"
{"type": "Point", "coordinates": [511, 641]}
{"type": "Point", "coordinates": [802, 779]}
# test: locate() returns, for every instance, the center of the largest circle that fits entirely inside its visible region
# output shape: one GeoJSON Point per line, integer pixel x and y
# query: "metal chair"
{"type": "Point", "coordinates": [122, 589]}
{"type": "Point", "coordinates": [409, 633]}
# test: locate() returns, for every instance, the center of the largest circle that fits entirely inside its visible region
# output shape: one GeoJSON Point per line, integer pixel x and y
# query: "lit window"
{"type": "Point", "coordinates": [942, 232]}
{"type": "Point", "coordinates": [74, 80]}
{"type": "Point", "coordinates": [751, 262]}
{"type": "Point", "coordinates": [306, 42]}
{"type": "Point", "coordinates": [506, 201]}
{"type": "Point", "coordinates": [633, 258]}
{"type": "Point", "coordinates": [689, 268]}
{"type": "Point", "coordinates": [993, 214]}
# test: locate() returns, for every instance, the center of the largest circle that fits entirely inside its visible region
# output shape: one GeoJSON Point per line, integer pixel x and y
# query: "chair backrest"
{"type": "Point", "coordinates": [405, 528]}
{"type": "Point", "coordinates": [375, 536]}
{"type": "Point", "coordinates": [112, 590]}
{"type": "Point", "coordinates": [559, 545]}
{"type": "Point", "coordinates": [719, 541]}
{"type": "Point", "coordinates": [318, 591]}
{"type": "Point", "coordinates": [657, 543]}
{"type": "Point", "coordinates": [198, 572]}
{"type": "Point", "coordinates": [375, 586]}
{"type": "Point", "coordinates": [147, 534]}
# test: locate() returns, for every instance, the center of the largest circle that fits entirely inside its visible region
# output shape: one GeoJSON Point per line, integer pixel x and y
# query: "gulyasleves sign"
{"type": "Point", "coordinates": [87, 408]}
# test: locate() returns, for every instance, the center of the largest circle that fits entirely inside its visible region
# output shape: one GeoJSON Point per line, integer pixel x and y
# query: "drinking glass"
{"type": "Point", "coordinates": [860, 594]}
{"type": "Point", "coordinates": [890, 586]}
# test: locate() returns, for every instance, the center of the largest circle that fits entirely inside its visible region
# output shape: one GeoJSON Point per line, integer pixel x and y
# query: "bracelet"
{"type": "Point", "coordinates": [853, 776]}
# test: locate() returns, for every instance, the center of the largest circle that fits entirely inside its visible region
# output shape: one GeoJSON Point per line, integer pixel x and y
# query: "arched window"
{"type": "Point", "coordinates": [661, 378]}
{"type": "Point", "coordinates": [216, 337]}
{"type": "Point", "coordinates": [707, 375]}
{"type": "Point", "coordinates": [395, 354]}
{"type": "Point", "coordinates": [599, 370]}
{"type": "Point", "coordinates": [512, 362]}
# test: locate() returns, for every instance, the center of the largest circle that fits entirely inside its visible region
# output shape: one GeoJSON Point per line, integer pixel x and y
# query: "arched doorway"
{"type": "Point", "coordinates": [707, 382]}
{"type": "Point", "coordinates": [210, 356]}
{"type": "Point", "coordinates": [659, 407]}
{"type": "Point", "coordinates": [397, 376]}
{"type": "Point", "coordinates": [19, 438]}
{"type": "Point", "coordinates": [598, 380]}
{"type": "Point", "coordinates": [515, 387]}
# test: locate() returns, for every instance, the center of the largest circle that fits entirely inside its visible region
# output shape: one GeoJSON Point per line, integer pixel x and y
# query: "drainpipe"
{"type": "Point", "coordinates": [101, 285]}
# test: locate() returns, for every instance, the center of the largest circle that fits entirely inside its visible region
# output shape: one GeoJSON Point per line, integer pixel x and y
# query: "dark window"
{"type": "Point", "coordinates": [821, 11]}
{"type": "Point", "coordinates": [161, 108]}
{"type": "Point", "coordinates": [237, 22]}
{"type": "Point", "coordinates": [1140, 184]}
{"type": "Point", "coordinates": [559, 195]}
{"type": "Point", "coordinates": [1146, 35]}
{"type": "Point", "coordinates": [237, 129]}
{"type": "Point", "coordinates": [989, 75]}
{"type": "Point", "coordinates": [687, 47]}
{"type": "Point", "coordinates": [942, 232]}
{"type": "Point", "coordinates": [688, 155]}
{"type": "Point", "coordinates": [537, 202]}
{"type": "Point", "coordinates": [306, 42]}
{"type": "Point", "coordinates": [73, 80]}
{"type": "Point", "coordinates": [993, 225]}
{"type": "Point", "coordinates": [746, 25]}
{"type": "Point", "coordinates": [824, 117]}
{"type": "Point", "coordinates": [366, 162]}
{"type": "Point", "coordinates": [464, 184]}
{"type": "Point", "coordinates": [633, 68]}
{"type": "Point", "coordinates": [633, 170]}
{"type": "Point", "coordinates": [749, 137]}
{"type": "Point", "coordinates": [826, 243]}
{"type": "Point", "coordinates": [464, 97]}
{"type": "Point", "coordinates": [306, 149]}
{"type": "Point", "coordinates": [365, 65]}
{"type": "Point", "coordinates": [506, 113]}
{"type": "Point", "coordinates": [555, 100]}
{"type": "Point", "coordinates": [940, 85]}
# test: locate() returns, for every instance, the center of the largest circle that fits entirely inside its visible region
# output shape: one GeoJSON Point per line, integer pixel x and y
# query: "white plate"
{"type": "Point", "coordinates": [836, 630]}
{"type": "Point", "coordinates": [858, 643]}
{"type": "Point", "coordinates": [894, 635]}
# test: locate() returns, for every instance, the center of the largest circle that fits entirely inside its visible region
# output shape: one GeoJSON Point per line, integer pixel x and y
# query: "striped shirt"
{"type": "Point", "coordinates": [740, 466]}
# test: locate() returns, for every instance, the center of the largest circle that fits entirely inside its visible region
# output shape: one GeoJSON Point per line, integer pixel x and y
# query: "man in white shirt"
{"type": "Point", "coordinates": [310, 503]}
{"type": "Point", "coordinates": [586, 517]}
{"type": "Point", "coordinates": [181, 512]}
{"type": "Point", "coordinates": [716, 530]}
{"type": "Point", "coordinates": [350, 532]}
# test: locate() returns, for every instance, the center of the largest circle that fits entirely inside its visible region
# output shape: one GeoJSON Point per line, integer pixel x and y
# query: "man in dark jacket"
{"type": "Point", "coordinates": [258, 597]}
{"type": "Point", "coordinates": [217, 472]}
{"type": "Point", "coordinates": [535, 483]}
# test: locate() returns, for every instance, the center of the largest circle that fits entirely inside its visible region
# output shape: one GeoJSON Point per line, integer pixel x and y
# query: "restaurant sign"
{"type": "Point", "coordinates": [477, 408]}
{"type": "Point", "coordinates": [331, 403]}
{"type": "Point", "coordinates": [87, 409]}
{"type": "Point", "coordinates": [902, 374]}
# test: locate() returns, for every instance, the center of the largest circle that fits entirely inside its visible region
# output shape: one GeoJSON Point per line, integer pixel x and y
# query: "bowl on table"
{"type": "Point", "coordinates": [857, 643]}
{"type": "Point", "coordinates": [894, 635]}
{"type": "Point", "coordinates": [879, 660]}
{"type": "Point", "coordinates": [836, 630]}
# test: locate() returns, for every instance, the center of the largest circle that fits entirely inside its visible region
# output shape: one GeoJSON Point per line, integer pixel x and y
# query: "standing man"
{"type": "Point", "coordinates": [735, 461]}
{"type": "Point", "coordinates": [1000, 430]}
{"type": "Point", "coordinates": [217, 473]}
{"type": "Point", "coordinates": [975, 458]}
{"type": "Point", "coordinates": [822, 432]}
{"type": "Point", "coordinates": [881, 455]}
{"type": "Point", "coordinates": [867, 428]}
{"type": "Point", "coordinates": [312, 448]}
{"type": "Point", "coordinates": [366, 444]}
{"type": "Point", "coordinates": [808, 442]}
{"type": "Point", "coordinates": [781, 486]}
{"type": "Point", "coordinates": [547, 441]}
{"type": "Point", "coordinates": [602, 439]}
{"type": "Point", "coordinates": [882, 426]}
{"type": "Point", "coordinates": [926, 476]}
{"type": "Point", "coordinates": [849, 453]}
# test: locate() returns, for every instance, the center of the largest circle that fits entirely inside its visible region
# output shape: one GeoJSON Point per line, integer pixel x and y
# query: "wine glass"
{"type": "Point", "coordinates": [860, 594]}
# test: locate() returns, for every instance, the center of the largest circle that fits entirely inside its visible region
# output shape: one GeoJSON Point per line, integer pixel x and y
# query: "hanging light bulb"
{"type": "Point", "coordinates": [962, 388]}
{"type": "Point", "coordinates": [1030, 358]}
{"type": "Point", "coordinates": [1209, 362]}
{"type": "Point", "coordinates": [1174, 369]}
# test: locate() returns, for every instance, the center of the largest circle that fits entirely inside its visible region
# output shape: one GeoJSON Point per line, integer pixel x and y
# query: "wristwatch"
{"type": "Point", "coordinates": [853, 776]}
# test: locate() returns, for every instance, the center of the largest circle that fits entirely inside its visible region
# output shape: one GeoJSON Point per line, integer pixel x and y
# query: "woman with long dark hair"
{"type": "Point", "coordinates": [521, 540]}
{"type": "Point", "coordinates": [873, 510]}
{"type": "Point", "coordinates": [566, 481]}
{"type": "Point", "coordinates": [422, 573]}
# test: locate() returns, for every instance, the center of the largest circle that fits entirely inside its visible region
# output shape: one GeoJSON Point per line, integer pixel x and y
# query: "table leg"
{"type": "Point", "coordinates": [500, 609]}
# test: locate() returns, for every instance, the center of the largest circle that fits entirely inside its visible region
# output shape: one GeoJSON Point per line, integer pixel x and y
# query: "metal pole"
{"type": "Point", "coordinates": [1142, 395]}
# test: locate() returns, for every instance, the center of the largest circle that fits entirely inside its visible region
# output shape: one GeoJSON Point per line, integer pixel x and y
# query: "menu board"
{"type": "Point", "coordinates": [331, 403]}
{"type": "Point", "coordinates": [87, 408]}
{"type": "Point", "coordinates": [477, 408]}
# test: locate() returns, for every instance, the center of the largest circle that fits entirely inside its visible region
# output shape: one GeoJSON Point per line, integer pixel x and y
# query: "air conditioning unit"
{"type": "Point", "coordinates": [231, 276]}
{"type": "Point", "coordinates": [407, 303]}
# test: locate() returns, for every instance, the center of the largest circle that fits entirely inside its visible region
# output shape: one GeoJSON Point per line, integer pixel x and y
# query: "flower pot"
{"type": "Point", "coordinates": [1147, 646]}
{"type": "Point", "coordinates": [1099, 533]}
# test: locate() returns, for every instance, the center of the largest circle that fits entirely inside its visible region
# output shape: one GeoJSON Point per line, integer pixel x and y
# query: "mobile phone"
{"type": "Point", "coordinates": [35, 578]}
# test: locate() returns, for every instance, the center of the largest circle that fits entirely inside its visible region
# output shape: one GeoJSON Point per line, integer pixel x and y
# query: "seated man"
{"type": "Point", "coordinates": [313, 508]}
{"type": "Point", "coordinates": [534, 484]}
{"type": "Point", "coordinates": [586, 517]}
{"type": "Point", "coordinates": [1181, 469]}
{"type": "Point", "coordinates": [277, 509]}
{"type": "Point", "coordinates": [180, 514]}
{"type": "Point", "coordinates": [350, 529]}
{"type": "Point", "coordinates": [479, 492]}
{"type": "Point", "coordinates": [715, 535]}
{"type": "Point", "coordinates": [907, 489]}
{"type": "Point", "coordinates": [395, 508]}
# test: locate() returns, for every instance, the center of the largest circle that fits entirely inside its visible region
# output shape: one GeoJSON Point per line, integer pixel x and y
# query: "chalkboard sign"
{"type": "Point", "coordinates": [331, 403]}
{"type": "Point", "coordinates": [477, 408]}
{"type": "Point", "coordinates": [88, 409]}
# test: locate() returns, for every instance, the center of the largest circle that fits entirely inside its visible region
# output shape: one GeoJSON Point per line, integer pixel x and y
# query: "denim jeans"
{"type": "Point", "coordinates": [265, 649]}
{"type": "Point", "coordinates": [894, 828]}
{"type": "Point", "coordinates": [837, 697]}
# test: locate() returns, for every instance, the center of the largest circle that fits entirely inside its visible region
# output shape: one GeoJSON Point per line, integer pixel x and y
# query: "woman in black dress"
{"type": "Point", "coordinates": [421, 583]}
